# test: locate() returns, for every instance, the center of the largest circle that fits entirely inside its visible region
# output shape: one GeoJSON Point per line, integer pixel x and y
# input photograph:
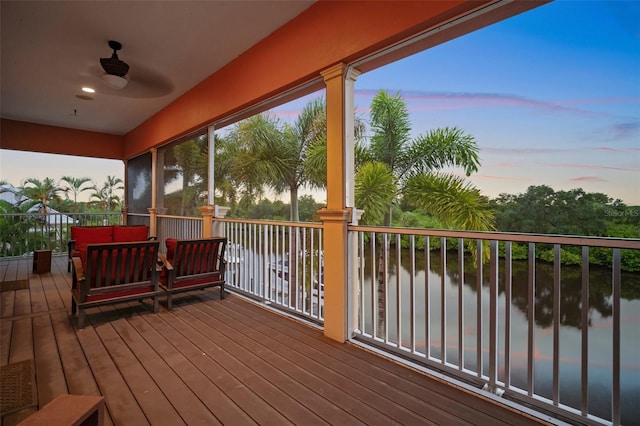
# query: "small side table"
{"type": "Point", "coordinates": [41, 261]}
{"type": "Point", "coordinates": [69, 410]}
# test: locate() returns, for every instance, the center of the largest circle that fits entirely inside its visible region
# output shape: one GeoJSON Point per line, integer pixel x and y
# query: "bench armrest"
{"type": "Point", "coordinates": [77, 267]}
{"type": "Point", "coordinates": [163, 259]}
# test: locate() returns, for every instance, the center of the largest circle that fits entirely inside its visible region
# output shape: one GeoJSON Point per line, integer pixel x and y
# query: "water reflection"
{"type": "Point", "coordinates": [428, 331]}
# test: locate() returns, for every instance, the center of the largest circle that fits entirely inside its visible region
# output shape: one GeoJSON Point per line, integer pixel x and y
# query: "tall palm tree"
{"type": "Point", "coordinates": [275, 155]}
{"type": "Point", "coordinates": [415, 166]}
{"type": "Point", "coordinates": [106, 196]}
{"type": "Point", "coordinates": [74, 186]}
{"type": "Point", "coordinates": [398, 166]}
{"type": "Point", "coordinates": [41, 191]}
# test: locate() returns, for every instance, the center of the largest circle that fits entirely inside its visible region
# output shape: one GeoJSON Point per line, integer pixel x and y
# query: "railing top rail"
{"type": "Point", "coordinates": [314, 225]}
{"type": "Point", "coordinates": [609, 242]}
{"type": "Point", "coordinates": [168, 216]}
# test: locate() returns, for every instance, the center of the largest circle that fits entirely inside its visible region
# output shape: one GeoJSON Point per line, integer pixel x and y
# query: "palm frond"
{"type": "Point", "coordinates": [375, 188]}
{"type": "Point", "coordinates": [451, 199]}
{"type": "Point", "coordinates": [439, 148]}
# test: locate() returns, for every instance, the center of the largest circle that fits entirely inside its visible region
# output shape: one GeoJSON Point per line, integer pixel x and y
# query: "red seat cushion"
{"type": "Point", "coordinates": [115, 294]}
{"type": "Point", "coordinates": [123, 234]}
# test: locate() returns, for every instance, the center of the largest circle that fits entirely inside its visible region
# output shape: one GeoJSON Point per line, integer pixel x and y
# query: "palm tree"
{"type": "Point", "coordinates": [275, 155]}
{"type": "Point", "coordinates": [415, 170]}
{"type": "Point", "coordinates": [106, 196]}
{"type": "Point", "coordinates": [42, 191]}
{"type": "Point", "coordinates": [74, 186]}
{"type": "Point", "coordinates": [397, 167]}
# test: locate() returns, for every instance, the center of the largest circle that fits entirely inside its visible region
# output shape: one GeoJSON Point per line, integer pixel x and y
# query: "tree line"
{"type": "Point", "coordinates": [63, 196]}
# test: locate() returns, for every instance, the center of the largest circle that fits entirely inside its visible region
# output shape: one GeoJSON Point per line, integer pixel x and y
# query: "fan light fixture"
{"type": "Point", "coordinates": [115, 69]}
{"type": "Point", "coordinates": [114, 81]}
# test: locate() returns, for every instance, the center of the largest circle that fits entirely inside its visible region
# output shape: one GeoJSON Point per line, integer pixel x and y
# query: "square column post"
{"type": "Point", "coordinates": [338, 213]}
{"type": "Point", "coordinates": [207, 213]}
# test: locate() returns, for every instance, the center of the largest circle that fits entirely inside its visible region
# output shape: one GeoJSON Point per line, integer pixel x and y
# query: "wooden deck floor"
{"type": "Point", "coordinates": [212, 361]}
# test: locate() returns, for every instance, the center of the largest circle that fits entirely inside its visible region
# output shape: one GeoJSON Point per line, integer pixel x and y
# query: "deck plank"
{"type": "Point", "coordinates": [121, 403]}
{"type": "Point", "coordinates": [336, 388]}
{"type": "Point", "coordinates": [38, 298]}
{"type": "Point", "coordinates": [179, 397]}
{"type": "Point", "coordinates": [280, 400]}
{"type": "Point", "coordinates": [7, 303]}
{"type": "Point", "coordinates": [80, 380]}
{"type": "Point", "coordinates": [255, 359]}
{"type": "Point", "coordinates": [21, 340]}
{"type": "Point", "coordinates": [49, 371]}
{"type": "Point", "coordinates": [156, 407]}
{"type": "Point", "coordinates": [23, 304]}
{"type": "Point", "coordinates": [366, 389]}
{"type": "Point", "coordinates": [394, 382]}
{"type": "Point", "coordinates": [51, 294]}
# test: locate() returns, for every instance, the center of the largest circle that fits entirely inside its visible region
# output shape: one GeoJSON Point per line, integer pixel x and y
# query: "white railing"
{"type": "Point", "coordinates": [277, 263]}
{"type": "Point", "coordinates": [178, 227]}
{"type": "Point", "coordinates": [555, 336]}
{"type": "Point", "coordinates": [22, 233]}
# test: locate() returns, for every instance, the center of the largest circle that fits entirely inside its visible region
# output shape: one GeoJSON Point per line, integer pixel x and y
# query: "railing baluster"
{"type": "Point", "coordinates": [479, 321]}
{"type": "Point", "coordinates": [385, 284]}
{"type": "Point", "coordinates": [531, 297]}
{"type": "Point", "coordinates": [427, 298]}
{"type": "Point", "coordinates": [617, 279]}
{"type": "Point", "coordinates": [460, 304]}
{"type": "Point", "coordinates": [508, 283]}
{"type": "Point", "coordinates": [493, 317]}
{"type": "Point", "coordinates": [412, 291]}
{"type": "Point", "coordinates": [443, 300]}
{"type": "Point", "coordinates": [374, 288]}
{"type": "Point", "coordinates": [398, 292]}
{"type": "Point", "coordinates": [556, 323]}
{"type": "Point", "coordinates": [584, 324]}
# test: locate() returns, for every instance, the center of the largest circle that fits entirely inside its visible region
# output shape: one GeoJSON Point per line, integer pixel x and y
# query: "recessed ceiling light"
{"type": "Point", "coordinates": [88, 90]}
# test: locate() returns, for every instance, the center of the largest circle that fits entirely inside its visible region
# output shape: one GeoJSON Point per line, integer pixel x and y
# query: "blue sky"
{"type": "Point", "coordinates": [552, 97]}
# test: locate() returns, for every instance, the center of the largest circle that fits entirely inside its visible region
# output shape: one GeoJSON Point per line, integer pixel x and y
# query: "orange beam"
{"type": "Point", "coordinates": [23, 136]}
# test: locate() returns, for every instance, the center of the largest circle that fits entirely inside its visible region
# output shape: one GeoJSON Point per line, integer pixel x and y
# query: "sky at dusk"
{"type": "Point", "coordinates": [552, 97]}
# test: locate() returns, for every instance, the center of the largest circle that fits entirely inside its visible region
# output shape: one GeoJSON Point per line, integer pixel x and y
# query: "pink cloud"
{"type": "Point", "coordinates": [594, 167]}
{"type": "Point", "coordinates": [475, 100]}
{"type": "Point", "coordinates": [587, 179]}
{"type": "Point", "coordinates": [507, 178]}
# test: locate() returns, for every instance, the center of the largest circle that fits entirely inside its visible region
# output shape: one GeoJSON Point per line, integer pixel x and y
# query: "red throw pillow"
{"type": "Point", "coordinates": [124, 234]}
{"type": "Point", "coordinates": [92, 234]}
{"type": "Point", "coordinates": [171, 244]}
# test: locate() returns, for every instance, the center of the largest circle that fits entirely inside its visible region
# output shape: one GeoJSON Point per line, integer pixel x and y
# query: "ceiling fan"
{"type": "Point", "coordinates": [115, 69]}
{"type": "Point", "coordinates": [141, 81]}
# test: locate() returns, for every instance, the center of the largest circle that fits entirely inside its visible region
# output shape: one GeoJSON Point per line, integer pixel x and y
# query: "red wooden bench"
{"type": "Point", "coordinates": [193, 264]}
{"type": "Point", "coordinates": [114, 272]}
